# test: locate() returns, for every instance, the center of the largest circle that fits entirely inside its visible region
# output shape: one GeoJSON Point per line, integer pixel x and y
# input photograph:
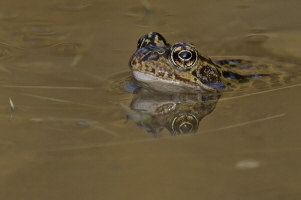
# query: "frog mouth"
{"type": "Point", "coordinates": [164, 84]}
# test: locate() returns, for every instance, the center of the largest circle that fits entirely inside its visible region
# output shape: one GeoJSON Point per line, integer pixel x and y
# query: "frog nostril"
{"type": "Point", "coordinates": [151, 56]}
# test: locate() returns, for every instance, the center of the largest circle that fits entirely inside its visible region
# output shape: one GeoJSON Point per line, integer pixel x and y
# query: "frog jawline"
{"type": "Point", "coordinates": [164, 85]}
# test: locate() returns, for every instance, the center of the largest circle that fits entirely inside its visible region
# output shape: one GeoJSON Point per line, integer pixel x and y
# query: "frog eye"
{"type": "Point", "coordinates": [152, 39]}
{"type": "Point", "coordinates": [183, 123]}
{"type": "Point", "coordinates": [183, 56]}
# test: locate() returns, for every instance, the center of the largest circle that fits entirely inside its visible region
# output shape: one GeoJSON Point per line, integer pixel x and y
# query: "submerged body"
{"type": "Point", "coordinates": [180, 68]}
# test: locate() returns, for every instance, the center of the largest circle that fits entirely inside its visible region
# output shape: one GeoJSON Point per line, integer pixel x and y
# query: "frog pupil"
{"type": "Point", "coordinates": [185, 55]}
{"type": "Point", "coordinates": [186, 127]}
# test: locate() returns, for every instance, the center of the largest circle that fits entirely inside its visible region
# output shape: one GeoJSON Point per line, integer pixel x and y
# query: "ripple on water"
{"type": "Point", "coordinates": [257, 35]}
{"type": "Point", "coordinates": [8, 14]}
{"type": "Point", "coordinates": [33, 34]}
{"type": "Point", "coordinates": [257, 38]}
{"type": "Point", "coordinates": [6, 53]}
{"type": "Point", "coordinates": [284, 44]}
{"type": "Point", "coordinates": [39, 28]}
{"type": "Point", "coordinates": [70, 49]}
{"type": "Point", "coordinates": [34, 41]}
{"type": "Point", "coordinates": [73, 5]}
{"type": "Point", "coordinates": [118, 83]}
{"type": "Point", "coordinates": [147, 16]}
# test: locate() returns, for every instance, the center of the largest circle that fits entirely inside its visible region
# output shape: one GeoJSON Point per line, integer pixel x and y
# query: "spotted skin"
{"type": "Point", "coordinates": [180, 68]}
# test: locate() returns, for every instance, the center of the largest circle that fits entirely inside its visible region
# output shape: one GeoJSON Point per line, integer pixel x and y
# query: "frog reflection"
{"type": "Point", "coordinates": [178, 113]}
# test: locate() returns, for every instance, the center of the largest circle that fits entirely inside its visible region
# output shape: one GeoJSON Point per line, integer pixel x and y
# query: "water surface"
{"type": "Point", "coordinates": [64, 134]}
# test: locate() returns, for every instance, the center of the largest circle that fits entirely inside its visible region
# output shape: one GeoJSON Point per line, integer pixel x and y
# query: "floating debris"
{"type": "Point", "coordinates": [12, 107]}
{"type": "Point", "coordinates": [247, 164]}
{"type": "Point", "coordinates": [147, 6]}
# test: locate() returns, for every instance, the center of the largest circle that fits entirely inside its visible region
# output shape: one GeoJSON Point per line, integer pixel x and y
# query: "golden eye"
{"type": "Point", "coordinates": [184, 56]}
{"type": "Point", "coordinates": [151, 39]}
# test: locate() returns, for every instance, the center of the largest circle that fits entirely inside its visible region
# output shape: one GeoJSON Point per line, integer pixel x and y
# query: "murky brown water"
{"type": "Point", "coordinates": [67, 136]}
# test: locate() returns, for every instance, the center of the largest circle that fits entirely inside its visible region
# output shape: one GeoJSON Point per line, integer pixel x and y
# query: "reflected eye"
{"type": "Point", "coordinates": [184, 56]}
{"type": "Point", "coordinates": [151, 39]}
{"type": "Point", "coordinates": [183, 123]}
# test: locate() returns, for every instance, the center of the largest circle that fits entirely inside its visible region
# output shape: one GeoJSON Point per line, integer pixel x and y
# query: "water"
{"type": "Point", "coordinates": [64, 134]}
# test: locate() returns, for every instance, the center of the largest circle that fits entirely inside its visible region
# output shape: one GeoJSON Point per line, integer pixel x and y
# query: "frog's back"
{"type": "Point", "coordinates": [252, 74]}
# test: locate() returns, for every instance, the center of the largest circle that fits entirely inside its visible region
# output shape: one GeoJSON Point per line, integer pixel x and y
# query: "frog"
{"type": "Point", "coordinates": [179, 67]}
